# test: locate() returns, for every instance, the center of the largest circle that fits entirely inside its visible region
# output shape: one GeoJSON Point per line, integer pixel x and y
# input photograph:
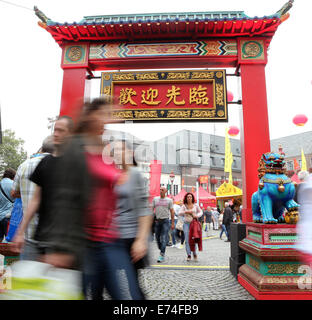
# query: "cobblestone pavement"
{"type": "Point", "coordinates": [208, 279]}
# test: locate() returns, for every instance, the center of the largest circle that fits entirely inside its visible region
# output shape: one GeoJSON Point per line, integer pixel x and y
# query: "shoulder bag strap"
{"type": "Point", "coordinates": [5, 194]}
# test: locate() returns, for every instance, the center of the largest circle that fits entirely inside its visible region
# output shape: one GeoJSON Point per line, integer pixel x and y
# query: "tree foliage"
{"type": "Point", "coordinates": [12, 152]}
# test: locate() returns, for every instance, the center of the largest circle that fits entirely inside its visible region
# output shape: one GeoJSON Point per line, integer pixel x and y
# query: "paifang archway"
{"type": "Point", "coordinates": [217, 40]}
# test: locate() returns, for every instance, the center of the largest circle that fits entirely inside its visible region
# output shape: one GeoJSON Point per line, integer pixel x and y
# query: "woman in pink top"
{"type": "Point", "coordinates": [189, 211]}
{"type": "Point", "coordinates": [85, 206]}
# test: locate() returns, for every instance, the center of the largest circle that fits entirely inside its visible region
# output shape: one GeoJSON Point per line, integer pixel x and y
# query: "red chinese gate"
{"type": "Point", "coordinates": [176, 40]}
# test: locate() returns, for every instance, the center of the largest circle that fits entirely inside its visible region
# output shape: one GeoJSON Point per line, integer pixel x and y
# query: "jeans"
{"type": "Point", "coordinates": [100, 270]}
{"type": "Point", "coordinates": [186, 229]}
{"type": "Point", "coordinates": [173, 232]}
{"type": "Point", "coordinates": [180, 234]}
{"type": "Point", "coordinates": [216, 224]}
{"type": "Point", "coordinates": [125, 263]}
{"type": "Point", "coordinates": [228, 229]}
{"type": "Point", "coordinates": [161, 233]}
{"type": "Point", "coordinates": [223, 230]}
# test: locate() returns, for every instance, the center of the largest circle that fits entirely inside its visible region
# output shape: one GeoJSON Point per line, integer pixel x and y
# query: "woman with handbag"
{"type": "Point", "coordinates": [134, 218]}
{"type": "Point", "coordinates": [189, 210]}
{"type": "Point", "coordinates": [179, 225]}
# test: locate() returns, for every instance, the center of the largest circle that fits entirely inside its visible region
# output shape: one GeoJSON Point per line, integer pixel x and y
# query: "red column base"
{"type": "Point", "coordinates": [270, 295]}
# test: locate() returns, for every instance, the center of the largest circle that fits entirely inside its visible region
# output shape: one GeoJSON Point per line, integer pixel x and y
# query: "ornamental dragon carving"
{"type": "Point", "coordinates": [275, 192]}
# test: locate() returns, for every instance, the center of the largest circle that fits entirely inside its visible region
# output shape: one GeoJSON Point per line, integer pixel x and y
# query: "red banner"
{"type": "Point", "coordinates": [155, 174]}
{"type": "Point", "coordinates": [203, 179]}
{"type": "Point", "coordinates": [296, 165]}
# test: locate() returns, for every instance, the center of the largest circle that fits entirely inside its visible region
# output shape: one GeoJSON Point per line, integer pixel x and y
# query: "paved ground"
{"type": "Point", "coordinates": [207, 279]}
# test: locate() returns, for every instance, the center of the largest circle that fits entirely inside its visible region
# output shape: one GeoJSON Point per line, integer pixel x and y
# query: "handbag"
{"type": "Point", "coordinates": [179, 225]}
{"type": "Point", "coordinates": [15, 220]}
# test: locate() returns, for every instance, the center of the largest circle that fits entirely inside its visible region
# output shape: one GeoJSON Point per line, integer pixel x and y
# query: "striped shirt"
{"type": "Point", "coordinates": [27, 188]}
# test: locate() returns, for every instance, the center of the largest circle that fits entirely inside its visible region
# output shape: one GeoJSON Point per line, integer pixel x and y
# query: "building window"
{"type": "Point", "coordinates": [168, 188]}
{"type": "Point", "coordinates": [212, 187]}
{"type": "Point", "coordinates": [212, 161]}
{"type": "Point", "coordinates": [222, 161]}
{"type": "Point", "coordinates": [175, 189]}
{"type": "Point", "coordinates": [234, 164]}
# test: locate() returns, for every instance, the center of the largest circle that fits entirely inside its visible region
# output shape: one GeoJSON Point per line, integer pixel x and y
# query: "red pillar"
{"type": "Point", "coordinates": [255, 138]}
{"type": "Point", "coordinates": [73, 91]}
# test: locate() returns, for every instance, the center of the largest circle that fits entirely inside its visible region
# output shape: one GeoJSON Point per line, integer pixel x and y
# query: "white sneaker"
{"type": "Point", "coordinates": [180, 246]}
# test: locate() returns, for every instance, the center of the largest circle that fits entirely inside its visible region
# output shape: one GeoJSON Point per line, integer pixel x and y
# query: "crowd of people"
{"type": "Point", "coordinates": [84, 210]}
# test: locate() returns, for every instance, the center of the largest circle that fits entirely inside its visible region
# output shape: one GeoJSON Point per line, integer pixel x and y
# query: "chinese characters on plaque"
{"type": "Point", "coordinates": [167, 96]}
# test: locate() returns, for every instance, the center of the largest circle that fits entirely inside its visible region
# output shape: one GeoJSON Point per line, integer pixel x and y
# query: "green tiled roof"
{"type": "Point", "coordinates": [154, 17]}
{"type": "Point", "coordinates": [166, 17]}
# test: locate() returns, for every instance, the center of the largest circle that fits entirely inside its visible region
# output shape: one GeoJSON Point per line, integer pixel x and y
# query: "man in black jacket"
{"type": "Point", "coordinates": [227, 219]}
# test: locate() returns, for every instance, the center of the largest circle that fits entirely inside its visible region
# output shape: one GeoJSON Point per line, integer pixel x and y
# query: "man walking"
{"type": "Point", "coordinates": [227, 220]}
{"type": "Point", "coordinates": [163, 207]}
{"type": "Point", "coordinates": [208, 217]}
{"type": "Point", "coordinates": [24, 188]}
{"type": "Point", "coordinates": [215, 216]}
{"type": "Point", "coordinates": [43, 197]}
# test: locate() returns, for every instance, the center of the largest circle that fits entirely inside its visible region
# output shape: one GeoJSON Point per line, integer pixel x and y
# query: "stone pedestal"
{"type": "Point", "coordinates": [272, 266]}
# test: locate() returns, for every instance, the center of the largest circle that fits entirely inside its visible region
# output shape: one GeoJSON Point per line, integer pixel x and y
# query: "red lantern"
{"type": "Point", "coordinates": [300, 120]}
{"type": "Point", "coordinates": [233, 131]}
{"type": "Point", "coordinates": [230, 96]}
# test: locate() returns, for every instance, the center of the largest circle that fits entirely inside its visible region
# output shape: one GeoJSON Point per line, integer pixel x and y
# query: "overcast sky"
{"type": "Point", "coordinates": [31, 76]}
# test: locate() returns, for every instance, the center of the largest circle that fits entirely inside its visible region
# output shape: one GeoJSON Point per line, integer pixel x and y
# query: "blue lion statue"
{"type": "Point", "coordinates": [275, 192]}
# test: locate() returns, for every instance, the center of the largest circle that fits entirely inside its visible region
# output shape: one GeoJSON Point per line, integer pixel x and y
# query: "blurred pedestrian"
{"type": "Point", "coordinates": [163, 207]}
{"type": "Point", "coordinates": [218, 208]}
{"type": "Point", "coordinates": [304, 225]}
{"type": "Point", "coordinates": [240, 213]}
{"type": "Point", "coordinates": [87, 205]}
{"type": "Point", "coordinates": [227, 220]}
{"type": "Point", "coordinates": [6, 200]}
{"type": "Point", "coordinates": [303, 176]}
{"type": "Point", "coordinates": [223, 228]}
{"type": "Point", "coordinates": [43, 175]}
{"type": "Point", "coordinates": [179, 225]}
{"type": "Point", "coordinates": [208, 217]}
{"type": "Point", "coordinates": [215, 215]}
{"type": "Point", "coordinates": [190, 210]}
{"type": "Point", "coordinates": [173, 232]}
{"type": "Point", "coordinates": [134, 218]}
{"type": "Point", "coordinates": [24, 188]}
